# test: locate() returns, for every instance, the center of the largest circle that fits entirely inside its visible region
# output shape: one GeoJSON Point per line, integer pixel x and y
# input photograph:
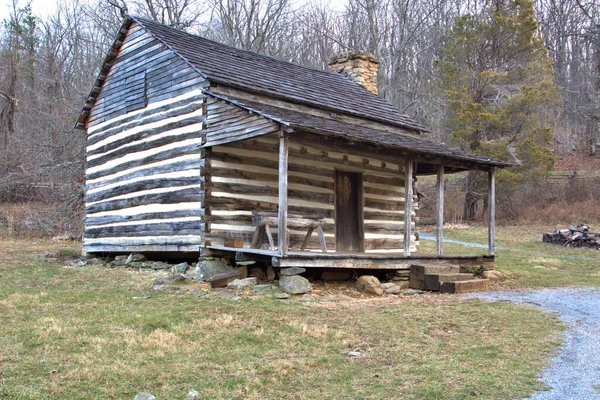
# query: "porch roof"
{"type": "Point", "coordinates": [297, 120]}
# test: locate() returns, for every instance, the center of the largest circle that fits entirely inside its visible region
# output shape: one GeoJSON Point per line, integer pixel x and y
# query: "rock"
{"type": "Point", "coordinates": [263, 288]}
{"type": "Point", "coordinates": [291, 271]}
{"type": "Point", "coordinates": [369, 284]}
{"type": "Point", "coordinates": [492, 275]}
{"type": "Point", "coordinates": [259, 273]}
{"type": "Point", "coordinates": [96, 262]}
{"type": "Point", "coordinates": [270, 275]}
{"type": "Point", "coordinates": [294, 284]}
{"type": "Point", "coordinates": [200, 286]}
{"type": "Point", "coordinates": [158, 287]}
{"type": "Point", "coordinates": [393, 290]}
{"type": "Point", "coordinates": [116, 263]}
{"type": "Point", "coordinates": [207, 269]}
{"type": "Point", "coordinates": [121, 258]}
{"type": "Point", "coordinates": [355, 354]}
{"type": "Point", "coordinates": [155, 265]}
{"type": "Point", "coordinates": [135, 264]}
{"type": "Point", "coordinates": [236, 298]}
{"type": "Point", "coordinates": [144, 396]}
{"type": "Point", "coordinates": [242, 284]}
{"type": "Point", "coordinates": [412, 292]}
{"type": "Point", "coordinates": [336, 275]}
{"type": "Point", "coordinates": [282, 296]}
{"type": "Point", "coordinates": [402, 284]}
{"type": "Point", "coordinates": [135, 257]}
{"type": "Point", "coordinates": [170, 279]}
{"type": "Point", "coordinates": [180, 268]}
{"type": "Point", "coordinates": [193, 394]}
{"type": "Point", "coordinates": [387, 285]}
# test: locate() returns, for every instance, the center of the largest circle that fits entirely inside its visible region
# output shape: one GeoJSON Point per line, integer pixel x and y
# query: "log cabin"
{"type": "Point", "coordinates": [200, 149]}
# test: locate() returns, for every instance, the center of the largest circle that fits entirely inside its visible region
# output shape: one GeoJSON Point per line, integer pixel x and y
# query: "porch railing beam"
{"type": "Point", "coordinates": [408, 195]}
{"type": "Point", "coordinates": [282, 209]}
{"type": "Point", "coordinates": [491, 211]}
{"type": "Point", "coordinates": [440, 211]}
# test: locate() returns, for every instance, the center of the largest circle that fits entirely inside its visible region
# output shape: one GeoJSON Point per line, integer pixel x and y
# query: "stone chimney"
{"type": "Point", "coordinates": [359, 66]}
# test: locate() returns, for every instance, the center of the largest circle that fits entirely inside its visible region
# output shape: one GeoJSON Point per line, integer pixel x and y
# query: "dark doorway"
{"type": "Point", "coordinates": [348, 211]}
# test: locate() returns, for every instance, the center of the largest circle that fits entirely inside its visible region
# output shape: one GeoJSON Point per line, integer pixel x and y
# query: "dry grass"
{"type": "Point", "coordinates": [77, 333]}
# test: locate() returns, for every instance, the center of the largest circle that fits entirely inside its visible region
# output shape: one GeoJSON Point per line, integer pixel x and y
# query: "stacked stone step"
{"type": "Point", "coordinates": [445, 278]}
{"type": "Point", "coordinates": [401, 275]}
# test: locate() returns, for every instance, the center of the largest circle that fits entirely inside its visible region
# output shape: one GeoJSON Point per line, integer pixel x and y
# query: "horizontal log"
{"type": "Point", "coordinates": [91, 222]}
{"type": "Point", "coordinates": [149, 172]}
{"type": "Point", "coordinates": [177, 107]}
{"type": "Point", "coordinates": [384, 244]}
{"type": "Point", "coordinates": [384, 205]}
{"type": "Point", "coordinates": [162, 233]}
{"type": "Point", "coordinates": [320, 198]}
{"type": "Point", "coordinates": [180, 196]}
{"type": "Point", "coordinates": [161, 226]}
{"type": "Point", "coordinates": [164, 155]}
{"type": "Point", "coordinates": [292, 223]}
{"type": "Point", "coordinates": [142, 185]}
{"type": "Point", "coordinates": [193, 249]}
{"type": "Point", "coordinates": [147, 134]}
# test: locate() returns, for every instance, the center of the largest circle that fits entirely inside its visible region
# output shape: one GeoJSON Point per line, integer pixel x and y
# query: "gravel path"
{"type": "Point", "coordinates": [576, 369]}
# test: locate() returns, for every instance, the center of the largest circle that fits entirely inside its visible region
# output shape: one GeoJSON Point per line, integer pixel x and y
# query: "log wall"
{"type": "Point", "coordinates": [242, 177]}
{"type": "Point", "coordinates": [144, 156]}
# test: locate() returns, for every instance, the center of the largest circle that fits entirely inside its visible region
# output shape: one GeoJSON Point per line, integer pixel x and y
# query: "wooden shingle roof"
{"type": "Point", "coordinates": [254, 72]}
{"type": "Point", "coordinates": [296, 120]}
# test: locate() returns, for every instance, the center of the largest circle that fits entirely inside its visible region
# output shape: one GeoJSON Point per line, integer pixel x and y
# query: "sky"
{"type": "Point", "coordinates": [43, 8]}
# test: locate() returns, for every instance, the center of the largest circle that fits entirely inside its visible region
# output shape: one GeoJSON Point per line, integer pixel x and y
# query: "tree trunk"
{"type": "Point", "coordinates": [470, 204]}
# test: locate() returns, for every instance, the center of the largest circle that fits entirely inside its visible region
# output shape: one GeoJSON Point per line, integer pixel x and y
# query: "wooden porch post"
{"type": "Point", "coordinates": [408, 195]}
{"type": "Point", "coordinates": [491, 211]}
{"type": "Point", "coordinates": [440, 211]}
{"type": "Point", "coordinates": [283, 193]}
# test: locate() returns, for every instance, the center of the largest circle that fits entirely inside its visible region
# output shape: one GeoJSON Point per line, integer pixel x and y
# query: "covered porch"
{"type": "Point", "coordinates": [337, 153]}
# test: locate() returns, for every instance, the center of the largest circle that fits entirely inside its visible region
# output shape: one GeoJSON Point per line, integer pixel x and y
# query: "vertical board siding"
{"type": "Point", "coordinates": [228, 123]}
{"type": "Point", "coordinates": [164, 75]}
{"type": "Point", "coordinates": [244, 178]}
{"type": "Point", "coordinates": [144, 186]}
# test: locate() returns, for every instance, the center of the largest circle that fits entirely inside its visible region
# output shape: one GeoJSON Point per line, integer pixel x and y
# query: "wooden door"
{"type": "Point", "coordinates": [348, 212]}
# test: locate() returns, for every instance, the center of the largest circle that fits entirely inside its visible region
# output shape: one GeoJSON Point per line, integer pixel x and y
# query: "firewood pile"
{"type": "Point", "coordinates": [574, 237]}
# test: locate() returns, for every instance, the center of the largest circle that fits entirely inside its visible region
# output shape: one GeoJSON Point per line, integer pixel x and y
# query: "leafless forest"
{"type": "Point", "coordinates": [48, 65]}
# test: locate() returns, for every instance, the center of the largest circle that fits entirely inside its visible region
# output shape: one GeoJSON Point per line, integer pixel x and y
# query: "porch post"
{"type": "Point", "coordinates": [440, 210]}
{"type": "Point", "coordinates": [408, 195]}
{"type": "Point", "coordinates": [282, 210]}
{"type": "Point", "coordinates": [491, 211]}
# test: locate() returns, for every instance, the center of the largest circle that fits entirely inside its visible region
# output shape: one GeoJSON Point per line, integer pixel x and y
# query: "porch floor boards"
{"type": "Point", "coordinates": [347, 260]}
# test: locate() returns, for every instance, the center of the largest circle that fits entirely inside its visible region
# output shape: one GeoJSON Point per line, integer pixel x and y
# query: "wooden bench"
{"type": "Point", "coordinates": [264, 220]}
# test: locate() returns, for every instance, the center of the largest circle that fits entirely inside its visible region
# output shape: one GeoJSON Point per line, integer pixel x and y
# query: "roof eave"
{"type": "Point", "coordinates": [106, 65]}
{"type": "Point", "coordinates": [418, 129]}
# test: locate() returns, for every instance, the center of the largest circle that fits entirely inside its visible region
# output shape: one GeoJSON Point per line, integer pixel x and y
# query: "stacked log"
{"type": "Point", "coordinates": [574, 237]}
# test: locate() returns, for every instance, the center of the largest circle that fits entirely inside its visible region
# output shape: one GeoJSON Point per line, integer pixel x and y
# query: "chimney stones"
{"type": "Point", "coordinates": [360, 66]}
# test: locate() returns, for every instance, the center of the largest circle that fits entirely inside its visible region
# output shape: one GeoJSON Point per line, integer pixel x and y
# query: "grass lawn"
{"type": "Point", "coordinates": [78, 333]}
{"type": "Point", "coordinates": [532, 263]}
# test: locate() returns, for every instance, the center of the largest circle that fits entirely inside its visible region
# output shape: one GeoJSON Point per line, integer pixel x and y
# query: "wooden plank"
{"type": "Point", "coordinates": [440, 211]}
{"type": "Point", "coordinates": [345, 263]}
{"type": "Point", "coordinates": [282, 208]}
{"type": "Point", "coordinates": [408, 205]}
{"type": "Point", "coordinates": [491, 211]}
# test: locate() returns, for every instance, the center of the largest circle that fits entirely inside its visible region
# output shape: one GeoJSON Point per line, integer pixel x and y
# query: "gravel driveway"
{"type": "Point", "coordinates": [576, 369]}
